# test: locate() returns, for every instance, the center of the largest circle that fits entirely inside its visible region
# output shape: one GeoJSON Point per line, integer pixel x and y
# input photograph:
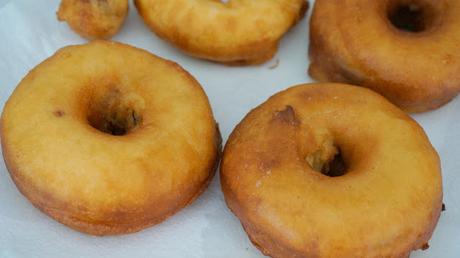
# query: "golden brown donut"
{"type": "Point", "coordinates": [235, 32]}
{"type": "Point", "coordinates": [94, 19]}
{"type": "Point", "coordinates": [332, 170]}
{"type": "Point", "coordinates": [109, 139]}
{"type": "Point", "coordinates": [406, 50]}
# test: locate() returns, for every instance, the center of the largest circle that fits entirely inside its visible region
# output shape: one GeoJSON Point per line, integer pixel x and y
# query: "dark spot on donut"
{"type": "Point", "coordinates": [287, 115]}
{"type": "Point", "coordinates": [425, 246]}
{"type": "Point", "coordinates": [443, 207]}
{"type": "Point", "coordinates": [59, 113]}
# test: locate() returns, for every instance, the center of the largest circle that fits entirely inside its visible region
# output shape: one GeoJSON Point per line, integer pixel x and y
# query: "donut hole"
{"type": "Point", "coordinates": [115, 113]}
{"type": "Point", "coordinates": [411, 17]}
{"type": "Point", "coordinates": [328, 161]}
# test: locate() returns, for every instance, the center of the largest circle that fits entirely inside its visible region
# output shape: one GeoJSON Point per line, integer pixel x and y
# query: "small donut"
{"type": "Point", "coordinates": [94, 19]}
{"type": "Point", "coordinates": [332, 170]}
{"type": "Point", "coordinates": [406, 50]}
{"type": "Point", "coordinates": [235, 32]}
{"type": "Point", "coordinates": [109, 139]}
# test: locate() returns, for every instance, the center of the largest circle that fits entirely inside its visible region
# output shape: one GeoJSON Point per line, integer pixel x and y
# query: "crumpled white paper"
{"type": "Point", "coordinates": [30, 32]}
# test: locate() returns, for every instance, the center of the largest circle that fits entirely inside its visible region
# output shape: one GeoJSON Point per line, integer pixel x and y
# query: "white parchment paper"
{"type": "Point", "coordinates": [30, 32]}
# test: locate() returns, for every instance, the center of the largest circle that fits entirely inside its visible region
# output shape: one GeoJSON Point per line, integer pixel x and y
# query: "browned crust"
{"type": "Point", "coordinates": [279, 248]}
{"type": "Point", "coordinates": [114, 222]}
{"type": "Point", "coordinates": [274, 245]}
{"type": "Point", "coordinates": [329, 65]}
{"type": "Point", "coordinates": [267, 244]}
{"type": "Point", "coordinates": [323, 68]}
{"type": "Point", "coordinates": [249, 54]}
{"type": "Point", "coordinates": [46, 202]}
{"type": "Point", "coordinates": [260, 53]}
{"type": "Point", "coordinates": [88, 24]}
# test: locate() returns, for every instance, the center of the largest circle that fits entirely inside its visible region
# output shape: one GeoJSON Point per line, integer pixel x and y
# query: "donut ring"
{"type": "Point", "coordinates": [109, 139]}
{"type": "Point", "coordinates": [379, 190]}
{"type": "Point", "coordinates": [94, 19]}
{"type": "Point", "coordinates": [406, 50]}
{"type": "Point", "coordinates": [235, 32]}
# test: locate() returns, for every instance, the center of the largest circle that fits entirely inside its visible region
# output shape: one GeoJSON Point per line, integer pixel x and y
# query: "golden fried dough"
{"type": "Point", "coordinates": [235, 32]}
{"type": "Point", "coordinates": [332, 170]}
{"type": "Point", "coordinates": [406, 50]}
{"type": "Point", "coordinates": [94, 19]}
{"type": "Point", "coordinates": [109, 139]}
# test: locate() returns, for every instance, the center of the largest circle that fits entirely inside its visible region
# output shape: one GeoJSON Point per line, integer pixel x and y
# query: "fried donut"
{"type": "Point", "coordinates": [109, 139]}
{"type": "Point", "coordinates": [406, 50]}
{"type": "Point", "coordinates": [94, 19]}
{"type": "Point", "coordinates": [236, 32]}
{"type": "Point", "coordinates": [332, 170]}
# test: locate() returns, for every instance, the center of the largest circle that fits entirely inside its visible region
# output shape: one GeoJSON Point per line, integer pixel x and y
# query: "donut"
{"type": "Point", "coordinates": [109, 139]}
{"type": "Point", "coordinates": [332, 170]}
{"type": "Point", "coordinates": [234, 32]}
{"type": "Point", "coordinates": [94, 19]}
{"type": "Point", "coordinates": [406, 50]}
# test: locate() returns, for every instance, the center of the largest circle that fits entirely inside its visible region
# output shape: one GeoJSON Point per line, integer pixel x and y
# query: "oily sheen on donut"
{"type": "Point", "coordinates": [235, 32]}
{"type": "Point", "coordinates": [109, 139]}
{"type": "Point", "coordinates": [407, 50]}
{"type": "Point", "coordinates": [332, 170]}
{"type": "Point", "coordinates": [94, 19]}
